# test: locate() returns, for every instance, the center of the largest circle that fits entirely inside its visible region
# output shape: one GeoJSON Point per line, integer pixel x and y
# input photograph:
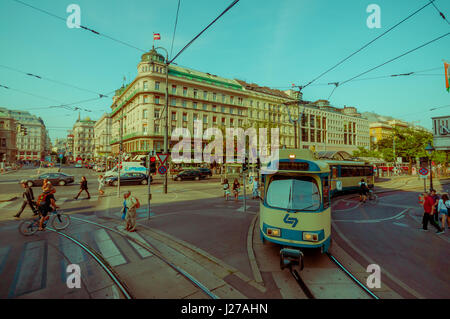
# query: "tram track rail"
{"type": "Point", "coordinates": [153, 250]}
{"type": "Point", "coordinates": [109, 270]}
{"type": "Point", "coordinates": [310, 295]}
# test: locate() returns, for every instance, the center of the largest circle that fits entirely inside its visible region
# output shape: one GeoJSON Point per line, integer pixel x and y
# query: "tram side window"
{"type": "Point", "coordinates": [298, 193]}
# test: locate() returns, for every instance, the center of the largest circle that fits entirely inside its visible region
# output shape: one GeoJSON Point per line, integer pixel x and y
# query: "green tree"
{"type": "Point", "coordinates": [363, 152]}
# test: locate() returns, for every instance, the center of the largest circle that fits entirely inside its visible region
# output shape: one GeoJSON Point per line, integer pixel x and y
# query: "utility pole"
{"type": "Point", "coordinates": [166, 125]}
{"type": "Point", "coordinates": [149, 182]}
{"type": "Point", "coordinates": [119, 164]}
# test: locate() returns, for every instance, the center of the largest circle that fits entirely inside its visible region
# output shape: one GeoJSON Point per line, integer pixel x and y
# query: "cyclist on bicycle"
{"type": "Point", "coordinates": [45, 204]}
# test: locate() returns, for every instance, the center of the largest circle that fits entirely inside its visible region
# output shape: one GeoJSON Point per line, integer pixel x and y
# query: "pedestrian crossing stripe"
{"type": "Point", "coordinates": [4, 253]}
{"type": "Point", "coordinates": [108, 249]}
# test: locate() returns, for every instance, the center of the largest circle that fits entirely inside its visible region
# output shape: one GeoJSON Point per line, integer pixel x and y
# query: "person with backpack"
{"type": "Point", "coordinates": [28, 199]}
{"type": "Point", "coordinates": [443, 211]}
{"type": "Point", "coordinates": [83, 187]}
{"type": "Point", "coordinates": [363, 191]}
{"type": "Point", "coordinates": [131, 203]}
{"type": "Point", "coordinates": [45, 204]}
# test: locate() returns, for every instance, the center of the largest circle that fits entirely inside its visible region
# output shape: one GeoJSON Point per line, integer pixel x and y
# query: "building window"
{"type": "Point", "coordinates": [183, 103]}
{"type": "Point", "coordinates": [156, 114]}
{"type": "Point", "coordinates": [195, 93]}
{"type": "Point", "coordinates": [156, 85]}
{"type": "Point", "coordinates": [144, 128]}
{"type": "Point", "coordinates": [145, 98]}
{"type": "Point", "coordinates": [231, 110]}
{"type": "Point", "coordinates": [156, 128]}
{"type": "Point", "coordinates": [195, 116]}
{"type": "Point", "coordinates": [173, 102]}
{"type": "Point", "coordinates": [144, 114]}
{"type": "Point", "coordinates": [223, 121]}
{"type": "Point", "coordinates": [205, 107]}
{"type": "Point", "coordinates": [205, 95]}
{"type": "Point", "coordinates": [185, 117]}
{"type": "Point", "coordinates": [185, 91]}
{"type": "Point", "coordinates": [231, 122]}
{"type": "Point", "coordinates": [194, 105]}
{"type": "Point", "coordinates": [231, 99]}
{"type": "Point", "coordinates": [145, 85]}
{"type": "Point", "coordinates": [222, 109]}
{"type": "Point", "coordinates": [156, 99]}
{"type": "Point", "coordinates": [174, 116]}
{"type": "Point", "coordinates": [215, 119]}
{"type": "Point", "coordinates": [174, 89]}
{"type": "Point", "coordinates": [214, 96]}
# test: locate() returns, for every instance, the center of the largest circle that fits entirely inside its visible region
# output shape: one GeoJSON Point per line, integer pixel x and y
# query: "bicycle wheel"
{"type": "Point", "coordinates": [28, 227]}
{"type": "Point", "coordinates": [60, 221]}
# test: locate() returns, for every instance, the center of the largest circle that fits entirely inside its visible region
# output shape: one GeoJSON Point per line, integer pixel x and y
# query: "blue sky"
{"type": "Point", "coordinates": [272, 43]}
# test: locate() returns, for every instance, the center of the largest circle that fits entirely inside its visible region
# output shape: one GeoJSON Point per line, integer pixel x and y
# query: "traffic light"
{"type": "Point", "coordinates": [152, 164]}
{"type": "Point", "coordinates": [144, 161]}
{"type": "Point", "coordinates": [245, 164]}
{"type": "Point", "coordinates": [258, 164]}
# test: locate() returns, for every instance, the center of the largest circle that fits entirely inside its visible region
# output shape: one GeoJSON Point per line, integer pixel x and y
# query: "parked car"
{"type": "Point", "coordinates": [205, 172]}
{"type": "Point", "coordinates": [187, 174]}
{"type": "Point", "coordinates": [128, 179]}
{"type": "Point", "coordinates": [60, 179]}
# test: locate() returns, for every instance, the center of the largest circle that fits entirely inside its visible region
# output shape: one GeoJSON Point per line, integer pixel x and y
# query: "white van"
{"type": "Point", "coordinates": [127, 167]}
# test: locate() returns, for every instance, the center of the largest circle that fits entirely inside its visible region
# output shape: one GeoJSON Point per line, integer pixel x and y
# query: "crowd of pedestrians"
{"type": "Point", "coordinates": [435, 207]}
{"type": "Point", "coordinates": [253, 183]}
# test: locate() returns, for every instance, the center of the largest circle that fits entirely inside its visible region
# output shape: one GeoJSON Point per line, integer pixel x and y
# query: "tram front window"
{"type": "Point", "coordinates": [299, 193]}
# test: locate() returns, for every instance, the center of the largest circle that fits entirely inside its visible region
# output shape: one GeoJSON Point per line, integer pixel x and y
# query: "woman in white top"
{"type": "Point", "coordinates": [443, 206]}
{"type": "Point", "coordinates": [100, 185]}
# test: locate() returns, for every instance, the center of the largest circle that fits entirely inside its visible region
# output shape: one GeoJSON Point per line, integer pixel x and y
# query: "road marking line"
{"type": "Point", "coordinates": [4, 204]}
{"type": "Point", "coordinates": [371, 261]}
{"type": "Point", "coordinates": [372, 220]}
{"type": "Point", "coordinates": [4, 253]}
{"type": "Point", "coordinates": [108, 248]}
{"type": "Point", "coordinates": [400, 224]}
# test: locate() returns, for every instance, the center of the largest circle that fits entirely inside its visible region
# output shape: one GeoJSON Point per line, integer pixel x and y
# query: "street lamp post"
{"type": "Point", "coordinates": [166, 125]}
{"type": "Point", "coordinates": [430, 150]}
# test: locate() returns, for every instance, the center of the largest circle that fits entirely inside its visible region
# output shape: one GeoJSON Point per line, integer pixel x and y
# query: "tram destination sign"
{"type": "Point", "coordinates": [293, 166]}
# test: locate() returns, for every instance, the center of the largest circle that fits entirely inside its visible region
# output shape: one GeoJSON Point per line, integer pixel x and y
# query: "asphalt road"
{"type": "Point", "coordinates": [385, 233]}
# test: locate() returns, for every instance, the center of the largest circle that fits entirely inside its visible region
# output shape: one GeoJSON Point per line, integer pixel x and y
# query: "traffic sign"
{"type": "Point", "coordinates": [162, 158]}
{"type": "Point", "coordinates": [162, 170]}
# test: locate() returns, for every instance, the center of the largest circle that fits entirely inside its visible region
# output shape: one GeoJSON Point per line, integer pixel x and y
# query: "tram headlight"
{"type": "Point", "coordinates": [310, 236]}
{"type": "Point", "coordinates": [275, 232]}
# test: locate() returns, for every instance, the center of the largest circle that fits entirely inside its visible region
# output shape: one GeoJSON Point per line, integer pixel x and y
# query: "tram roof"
{"type": "Point", "coordinates": [334, 155]}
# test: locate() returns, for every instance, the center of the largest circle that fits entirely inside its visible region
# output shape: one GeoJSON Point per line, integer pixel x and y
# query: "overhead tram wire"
{"type": "Point", "coordinates": [366, 45]}
{"type": "Point", "coordinates": [54, 81]}
{"type": "Point", "coordinates": [67, 106]}
{"type": "Point", "coordinates": [441, 14]}
{"type": "Point", "coordinates": [81, 26]}
{"type": "Point", "coordinates": [175, 28]}
{"type": "Point", "coordinates": [206, 28]}
{"type": "Point", "coordinates": [397, 57]}
{"type": "Point", "coordinates": [412, 73]}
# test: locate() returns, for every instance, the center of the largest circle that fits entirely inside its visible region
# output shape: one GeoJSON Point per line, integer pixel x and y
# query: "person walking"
{"type": "Point", "coordinates": [131, 204]}
{"type": "Point", "coordinates": [255, 193]}
{"type": "Point", "coordinates": [28, 199]}
{"type": "Point", "coordinates": [101, 184]}
{"type": "Point", "coordinates": [83, 187]}
{"type": "Point", "coordinates": [429, 209]}
{"type": "Point", "coordinates": [363, 190]}
{"type": "Point", "coordinates": [46, 203]}
{"type": "Point", "coordinates": [236, 189]}
{"type": "Point", "coordinates": [444, 212]}
{"type": "Point", "coordinates": [226, 189]}
{"type": "Point", "coordinates": [436, 201]}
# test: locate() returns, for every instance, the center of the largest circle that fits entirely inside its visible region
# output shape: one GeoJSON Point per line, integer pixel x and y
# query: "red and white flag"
{"type": "Point", "coordinates": [156, 36]}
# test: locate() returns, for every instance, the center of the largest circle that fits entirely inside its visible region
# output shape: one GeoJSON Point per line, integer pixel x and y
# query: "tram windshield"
{"type": "Point", "coordinates": [296, 193]}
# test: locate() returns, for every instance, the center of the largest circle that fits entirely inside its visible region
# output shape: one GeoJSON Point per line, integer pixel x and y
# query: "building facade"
{"type": "Point", "coordinates": [34, 145]}
{"type": "Point", "coordinates": [137, 111]}
{"type": "Point", "coordinates": [8, 138]}
{"type": "Point", "coordinates": [83, 139]}
{"type": "Point", "coordinates": [102, 137]}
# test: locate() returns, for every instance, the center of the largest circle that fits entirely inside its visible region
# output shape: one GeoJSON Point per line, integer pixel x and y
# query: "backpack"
{"type": "Point", "coordinates": [138, 204]}
{"type": "Point", "coordinates": [42, 203]}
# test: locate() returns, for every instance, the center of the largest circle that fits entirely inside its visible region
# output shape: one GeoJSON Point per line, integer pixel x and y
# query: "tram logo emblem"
{"type": "Point", "coordinates": [290, 220]}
